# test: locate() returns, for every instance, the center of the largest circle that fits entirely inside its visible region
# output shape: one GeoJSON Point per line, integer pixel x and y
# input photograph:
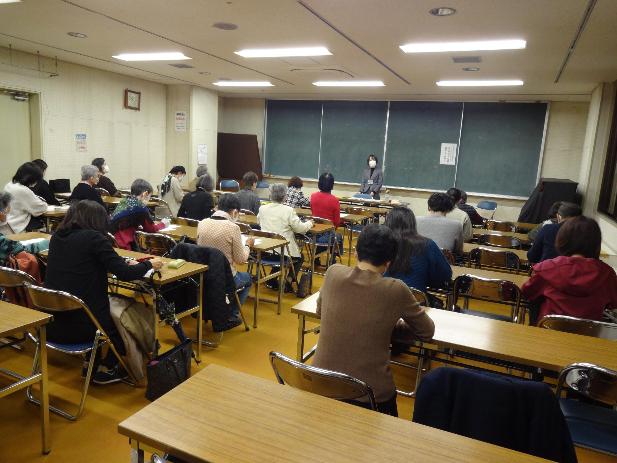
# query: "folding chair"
{"type": "Point", "coordinates": [580, 326]}
{"type": "Point", "coordinates": [185, 221]}
{"type": "Point", "coordinates": [592, 425]}
{"type": "Point", "coordinates": [53, 302]}
{"type": "Point", "coordinates": [487, 209]}
{"type": "Point", "coordinates": [102, 191]}
{"type": "Point", "coordinates": [229, 186]}
{"type": "Point", "coordinates": [162, 209]}
{"type": "Point", "coordinates": [247, 212]}
{"type": "Point", "coordinates": [331, 247]}
{"type": "Point", "coordinates": [490, 290]}
{"type": "Point", "coordinates": [263, 190]}
{"type": "Point", "coordinates": [154, 243]}
{"type": "Point", "coordinates": [449, 255]}
{"type": "Point", "coordinates": [497, 259]}
{"type": "Point", "coordinates": [331, 384]}
{"type": "Point", "coordinates": [500, 241]}
{"type": "Point", "coordinates": [13, 282]}
{"type": "Point", "coordinates": [498, 225]}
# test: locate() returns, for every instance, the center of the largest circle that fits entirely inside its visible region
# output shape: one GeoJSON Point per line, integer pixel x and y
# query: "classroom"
{"type": "Point", "coordinates": [308, 230]}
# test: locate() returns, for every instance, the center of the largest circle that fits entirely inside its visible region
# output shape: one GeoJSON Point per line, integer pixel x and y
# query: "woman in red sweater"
{"type": "Point", "coordinates": [325, 205]}
{"type": "Point", "coordinates": [577, 283]}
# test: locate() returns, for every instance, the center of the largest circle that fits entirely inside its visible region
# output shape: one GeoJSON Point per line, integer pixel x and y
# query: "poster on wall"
{"type": "Point", "coordinates": [81, 143]}
{"type": "Point", "coordinates": [180, 121]}
{"type": "Point", "coordinates": [202, 154]}
{"type": "Point", "coordinates": [448, 154]}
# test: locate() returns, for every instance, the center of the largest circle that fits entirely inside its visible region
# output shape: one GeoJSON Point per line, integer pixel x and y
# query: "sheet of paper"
{"type": "Point", "coordinates": [344, 215]}
{"type": "Point", "coordinates": [170, 227]}
{"type": "Point", "coordinates": [202, 154]}
{"type": "Point", "coordinates": [148, 273]}
{"type": "Point", "coordinates": [32, 241]}
{"type": "Point", "coordinates": [246, 237]}
{"type": "Point", "coordinates": [81, 142]}
{"type": "Point", "coordinates": [448, 154]}
{"type": "Point", "coordinates": [180, 121]}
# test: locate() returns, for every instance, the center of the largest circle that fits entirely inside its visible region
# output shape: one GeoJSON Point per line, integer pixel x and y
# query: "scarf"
{"type": "Point", "coordinates": [166, 185]}
{"type": "Point", "coordinates": [130, 212]}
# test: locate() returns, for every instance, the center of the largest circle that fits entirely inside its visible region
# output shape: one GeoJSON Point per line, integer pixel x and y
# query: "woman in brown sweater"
{"type": "Point", "coordinates": [359, 308]}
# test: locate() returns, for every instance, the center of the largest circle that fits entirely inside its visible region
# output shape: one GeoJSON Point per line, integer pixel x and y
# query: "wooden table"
{"type": "Point", "coordinates": [520, 236]}
{"type": "Point", "coordinates": [54, 214]}
{"type": "Point", "coordinates": [511, 342]}
{"type": "Point", "coordinates": [15, 319]}
{"type": "Point", "coordinates": [522, 254]}
{"type": "Point", "coordinates": [525, 225]}
{"type": "Point", "coordinates": [516, 278]}
{"type": "Point", "coordinates": [25, 236]}
{"type": "Point", "coordinates": [221, 415]}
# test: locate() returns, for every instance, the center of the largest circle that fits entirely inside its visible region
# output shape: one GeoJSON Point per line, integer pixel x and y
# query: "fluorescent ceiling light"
{"type": "Point", "coordinates": [237, 83]}
{"type": "Point", "coordinates": [10, 1]}
{"type": "Point", "coordinates": [349, 83]}
{"type": "Point", "coordinates": [162, 56]}
{"type": "Point", "coordinates": [282, 52]}
{"type": "Point", "coordinates": [479, 83]}
{"type": "Point", "coordinates": [434, 47]}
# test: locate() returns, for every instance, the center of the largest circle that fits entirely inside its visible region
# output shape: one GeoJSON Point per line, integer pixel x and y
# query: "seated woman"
{"type": "Point", "coordinates": [198, 204]}
{"type": "Point", "coordinates": [200, 172]}
{"type": "Point", "coordinates": [277, 218]}
{"type": "Point", "coordinates": [104, 180]}
{"type": "Point", "coordinates": [26, 207]}
{"type": "Point", "coordinates": [86, 189]}
{"type": "Point", "coordinates": [447, 233]}
{"type": "Point", "coordinates": [220, 232]}
{"type": "Point", "coordinates": [550, 219]}
{"type": "Point", "coordinates": [327, 206]}
{"type": "Point", "coordinates": [419, 262]}
{"type": "Point", "coordinates": [80, 258]}
{"type": "Point", "coordinates": [171, 190]}
{"type": "Point", "coordinates": [295, 197]}
{"type": "Point", "coordinates": [576, 283]}
{"type": "Point", "coordinates": [9, 247]}
{"type": "Point", "coordinates": [132, 213]}
{"type": "Point", "coordinates": [247, 196]}
{"type": "Point", "coordinates": [42, 188]}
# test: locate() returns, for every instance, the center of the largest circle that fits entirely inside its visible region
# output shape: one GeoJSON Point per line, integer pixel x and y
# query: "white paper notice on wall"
{"type": "Point", "coordinates": [81, 142]}
{"type": "Point", "coordinates": [180, 121]}
{"type": "Point", "coordinates": [202, 154]}
{"type": "Point", "coordinates": [448, 154]}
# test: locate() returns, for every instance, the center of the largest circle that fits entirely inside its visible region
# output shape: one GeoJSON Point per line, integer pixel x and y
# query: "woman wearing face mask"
{"type": "Point", "coordinates": [220, 232]}
{"type": "Point", "coordinates": [26, 207]}
{"type": "Point", "coordinates": [131, 213]}
{"type": "Point", "coordinates": [171, 191]}
{"type": "Point", "coordinates": [104, 181]}
{"type": "Point", "coordinates": [372, 178]}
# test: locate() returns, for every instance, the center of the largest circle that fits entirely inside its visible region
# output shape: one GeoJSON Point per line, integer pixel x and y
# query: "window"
{"type": "Point", "coordinates": [608, 191]}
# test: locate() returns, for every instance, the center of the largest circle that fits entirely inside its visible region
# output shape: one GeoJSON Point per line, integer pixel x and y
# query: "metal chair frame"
{"type": "Point", "coordinates": [162, 204]}
{"type": "Point", "coordinates": [582, 326]}
{"type": "Point", "coordinates": [326, 383]}
{"type": "Point", "coordinates": [500, 241]}
{"type": "Point", "coordinates": [102, 191]}
{"type": "Point", "coordinates": [497, 259]}
{"type": "Point", "coordinates": [154, 243]}
{"type": "Point", "coordinates": [13, 278]}
{"type": "Point", "coordinates": [53, 301]}
{"type": "Point", "coordinates": [247, 212]}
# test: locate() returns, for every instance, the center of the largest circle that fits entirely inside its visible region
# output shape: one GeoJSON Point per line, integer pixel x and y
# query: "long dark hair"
{"type": "Point", "coordinates": [86, 215]}
{"type": "Point", "coordinates": [402, 222]}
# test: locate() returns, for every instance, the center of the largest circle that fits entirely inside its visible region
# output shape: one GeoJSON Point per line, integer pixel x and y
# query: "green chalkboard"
{"type": "Point", "coordinates": [416, 130]}
{"type": "Point", "coordinates": [500, 147]}
{"type": "Point", "coordinates": [351, 131]}
{"type": "Point", "coordinates": [292, 138]}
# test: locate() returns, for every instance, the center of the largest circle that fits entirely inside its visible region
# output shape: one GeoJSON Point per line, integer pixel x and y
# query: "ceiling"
{"type": "Point", "coordinates": [363, 36]}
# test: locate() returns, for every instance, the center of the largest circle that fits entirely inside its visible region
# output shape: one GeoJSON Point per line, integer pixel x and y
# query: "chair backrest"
{"type": "Point", "coordinates": [500, 241]}
{"type": "Point", "coordinates": [12, 278]}
{"type": "Point", "coordinates": [247, 212]}
{"type": "Point", "coordinates": [491, 290]}
{"type": "Point", "coordinates": [267, 234]}
{"type": "Point", "coordinates": [185, 221]}
{"type": "Point", "coordinates": [449, 255]}
{"type": "Point", "coordinates": [54, 301]}
{"type": "Point", "coordinates": [244, 228]}
{"type": "Point", "coordinates": [154, 243]}
{"type": "Point", "coordinates": [162, 209]}
{"type": "Point", "coordinates": [494, 258]}
{"type": "Point", "coordinates": [124, 192]}
{"type": "Point", "coordinates": [102, 191]}
{"type": "Point", "coordinates": [591, 380]}
{"type": "Point", "coordinates": [362, 196]}
{"type": "Point", "coordinates": [326, 383]}
{"type": "Point", "coordinates": [262, 184]}
{"type": "Point", "coordinates": [320, 220]}
{"type": "Point", "coordinates": [263, 190]}
{"type": "Point", "coordinates": [581, 326]}
{"type": "Point", "coordinates": [487, 205]}
{"type": "Point", "coordinates": [229, 185]}
{"type": "Point", "coordinates": [420, 296]}
{"type": "Point", "coordinates": [499, 225]}
{"type": "Point", "coordinates": [60, 185]}
{"type": "Point", "coordinates": [112, 238]}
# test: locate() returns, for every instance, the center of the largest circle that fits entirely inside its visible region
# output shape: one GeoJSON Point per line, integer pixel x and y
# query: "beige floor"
{"type": "Point", "coordinates": [94, 437]}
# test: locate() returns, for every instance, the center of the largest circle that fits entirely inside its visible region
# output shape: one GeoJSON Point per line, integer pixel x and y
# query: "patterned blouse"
{"type": "Point", "coordinates": [295, 198]}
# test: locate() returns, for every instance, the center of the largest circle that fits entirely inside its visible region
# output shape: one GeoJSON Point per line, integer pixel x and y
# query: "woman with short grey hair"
{"type": "Point", "coordinates": [9, 247]}
{"type": "Point", "coordinates": [278, 218]}
{"type": "Point", "coordinates": [86, 188]}
{"type": "Point", "coordinates": [200, 172]}
{"type": "Point", "coordinates": [198, 205]}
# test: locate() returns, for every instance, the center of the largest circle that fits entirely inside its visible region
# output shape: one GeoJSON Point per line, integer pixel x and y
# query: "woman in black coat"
{"type": "Point", "coordinates": [198, 204]}
{"type": "Point", "coordinates": [80, 258]}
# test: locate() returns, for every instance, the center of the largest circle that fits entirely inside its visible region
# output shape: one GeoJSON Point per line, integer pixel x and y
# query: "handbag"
{"type": "Point", "coordinates": [166, 371]}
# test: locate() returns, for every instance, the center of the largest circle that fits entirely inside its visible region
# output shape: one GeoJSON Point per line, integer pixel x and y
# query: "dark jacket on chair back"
{"type": "Point", "coordinates": [196, 205]}
{"type": "Point", "coordinates": [514, 413]}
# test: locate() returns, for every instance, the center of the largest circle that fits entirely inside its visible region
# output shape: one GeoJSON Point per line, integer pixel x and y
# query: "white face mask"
{"type": "Point", "coordinates": [372, 164]}
{"type": "Point", "coordinates": [105, 169]}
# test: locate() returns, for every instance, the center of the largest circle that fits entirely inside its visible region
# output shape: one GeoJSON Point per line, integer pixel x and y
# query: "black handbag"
{"type": "Point", "coordinates": [167, 370]}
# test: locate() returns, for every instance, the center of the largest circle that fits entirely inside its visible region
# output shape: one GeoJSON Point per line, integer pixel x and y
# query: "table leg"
{"type": "Point", "coordinates": [282, 280]}
{"type": "Point", "coordinates": [200, 327]}
{"type": "Point", "coordinates": [300, 346]}
{"type": "Point", "coordinates": [350, 240]}
{"type": "Point", "coordinates": [256, 302]}
{"type": "Point", "coordinates": [137, 453]}
{"type": "Point", "coordinates": [44, 392]}
{"type": "Point", "coordinates": [313, 253]}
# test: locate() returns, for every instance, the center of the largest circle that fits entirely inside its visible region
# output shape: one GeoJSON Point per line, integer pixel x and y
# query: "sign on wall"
{"type": "Point", "coordinates": [81, 143]}
{"type": "Point", "coordinates": [180, 121]}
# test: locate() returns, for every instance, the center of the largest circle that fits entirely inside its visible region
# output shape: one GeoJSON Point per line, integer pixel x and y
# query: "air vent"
{"type": "Point", "coordinates": [466, 59]}
{"type": "Point", "coordinates": [181, 65]}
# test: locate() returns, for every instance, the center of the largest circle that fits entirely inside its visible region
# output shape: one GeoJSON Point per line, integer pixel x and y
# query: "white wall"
{"type": "Point", "coordinates": [204, 123]}
{"type": "Point", "coordinates": [86, 100]}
